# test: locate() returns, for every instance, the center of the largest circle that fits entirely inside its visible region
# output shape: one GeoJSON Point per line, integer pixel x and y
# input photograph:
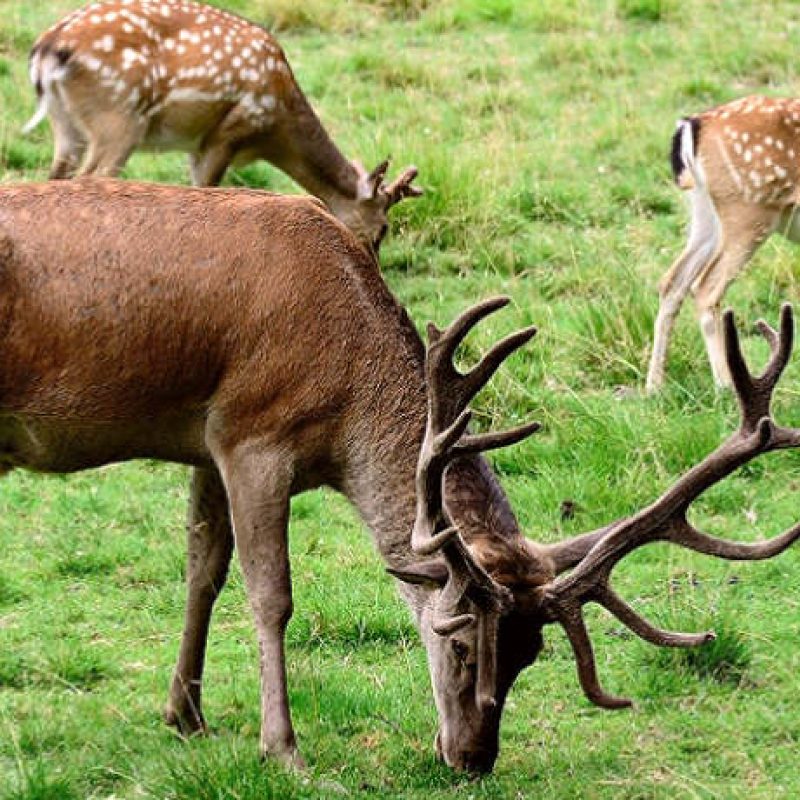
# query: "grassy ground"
{"type": "Point", "coordinates": [541, 131]}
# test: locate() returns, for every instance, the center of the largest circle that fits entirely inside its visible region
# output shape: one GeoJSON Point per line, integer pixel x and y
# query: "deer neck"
{"type": "Point", "coordinates": [306, 152]}
{"type": "Point", "coordinates": [382, 486]}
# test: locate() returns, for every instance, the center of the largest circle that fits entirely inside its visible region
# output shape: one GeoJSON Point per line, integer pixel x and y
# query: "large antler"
{"type": "Point", "coordinates": [449, 394]}
{"type": "Point", "coordinates": [665, 520]}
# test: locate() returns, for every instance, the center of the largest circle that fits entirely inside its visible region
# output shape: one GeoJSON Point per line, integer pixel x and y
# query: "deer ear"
{"type": "Point", "coordinates": [429, 573]}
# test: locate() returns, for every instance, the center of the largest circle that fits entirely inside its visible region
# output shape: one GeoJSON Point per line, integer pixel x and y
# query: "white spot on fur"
{"type": "Point", "coordinates": [105, 44]}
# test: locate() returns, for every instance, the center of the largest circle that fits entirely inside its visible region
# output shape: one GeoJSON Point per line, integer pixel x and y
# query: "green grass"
{"type": "Point", "coordinates": [541, 132]}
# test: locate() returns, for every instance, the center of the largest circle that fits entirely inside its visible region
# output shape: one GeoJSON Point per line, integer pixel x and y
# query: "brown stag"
{"type": "Point", "coordinates": [251, 337]}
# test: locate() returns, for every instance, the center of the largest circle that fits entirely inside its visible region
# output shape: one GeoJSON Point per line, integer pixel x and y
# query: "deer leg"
{"type": "Point", "coordinates": [258, 483]}
{"type": "Point", "coordinates": [677, 282]}
{"type": "Point", "coordinates": [741, 241]}
{"type": "Point", "coordinates": [69, 143]}
{"type": "Point", "coordinates": [112, 139]}
{"type": "Point", "coordinates": [210, 544]}
{"type": "Point", "coordinates": [208, 165]}
{"type": "Point", "coordinates": [220, 146]}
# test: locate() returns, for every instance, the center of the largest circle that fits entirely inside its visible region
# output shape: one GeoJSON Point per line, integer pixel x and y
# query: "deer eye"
{"type": "Point", "coordinates": [460, 649]}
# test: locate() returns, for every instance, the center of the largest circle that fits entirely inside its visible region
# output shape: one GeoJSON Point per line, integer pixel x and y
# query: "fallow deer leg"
{"type": "Point", "coordinates": [208, 165]}
{"type": "Point", "coordinates": [258, 482]}
{"type": "Point", "coordinates": [112, 139]}
{"type": "Point", "coordinates": [69, 142]}
{"type": "Point", "coordinates": [210, 544]}
{"type": "Point", "coordinates": [699, 252]}
{"type": "Point", "coordinates": [741, 238]}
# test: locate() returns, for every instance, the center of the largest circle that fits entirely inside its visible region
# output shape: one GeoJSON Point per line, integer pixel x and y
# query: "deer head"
{"type": "Point", "coordinates": [491, 602]}
{"type": "Point", "coordinates": [367, 215]}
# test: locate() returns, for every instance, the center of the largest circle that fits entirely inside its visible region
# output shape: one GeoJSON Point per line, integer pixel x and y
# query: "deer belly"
{"type": "Point", "coordinates": [183, 124]}
{"type": "Point", "coordinates": [70, 445]}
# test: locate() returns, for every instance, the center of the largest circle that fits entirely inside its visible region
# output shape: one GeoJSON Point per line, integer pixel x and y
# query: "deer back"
{"type": "Point", "coordinates": [159, 303]}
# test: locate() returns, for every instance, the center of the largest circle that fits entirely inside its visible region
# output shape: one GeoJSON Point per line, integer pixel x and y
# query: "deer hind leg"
{"type": "Point", "coordinates": [210, 544]}
{"type": "Point", "coordinates": [703, 243]}
{"type": "Point", "coordinates": [742, 236]}
{"type": "Point", "coordinates": [69, 142]}
{"type": "Point", "coordinates": [258, 481]}
{"type": "Point", "coordinates": [112, 138]}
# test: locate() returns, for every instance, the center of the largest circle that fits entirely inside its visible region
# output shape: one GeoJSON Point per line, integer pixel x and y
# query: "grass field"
{"type": "Point", "coordinates": [541, 132]}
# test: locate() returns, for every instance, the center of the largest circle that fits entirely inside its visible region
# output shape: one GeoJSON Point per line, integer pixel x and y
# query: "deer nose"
{"type": "Point", "coordinates": [475, 761]}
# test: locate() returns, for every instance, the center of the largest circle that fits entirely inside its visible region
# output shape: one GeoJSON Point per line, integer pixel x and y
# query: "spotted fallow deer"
{"type": "Point", "coordinates": [178, 75]}
{"type": "Point", "coordinates": [134, 325]}
{"type": "Point", "coordinates": [739, 164]}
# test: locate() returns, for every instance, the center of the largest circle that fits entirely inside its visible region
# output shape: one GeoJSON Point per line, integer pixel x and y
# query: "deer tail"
{"type": "Point", "coordinates": [686, 170]}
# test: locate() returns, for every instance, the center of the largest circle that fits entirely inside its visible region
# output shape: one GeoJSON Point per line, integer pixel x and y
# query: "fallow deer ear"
{"type": "Point", "coordinates": [423, 573]}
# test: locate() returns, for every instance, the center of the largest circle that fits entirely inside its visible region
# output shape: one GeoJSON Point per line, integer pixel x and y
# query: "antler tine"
{"type": "Point", "coordinates": [571, 619]}
{"type": "Point", "coordinates": [481, 442]}
{"type": "Point", "coordinates": [379, 173]}
{"type": "Point", "coordinates": [780, 344]}
{"type": "Point", "coordinates": [665, 519]}
{"type": "Point", "coordinates": [457, 389]}
{"type": "Point", "coordinates": [455, 333]}
{"type": "Point", "coordinates": [755, 393]}
{"type": "Point", "coordinates": [401, 187]}
{"type": "Point", "coordinates": [612, 602]}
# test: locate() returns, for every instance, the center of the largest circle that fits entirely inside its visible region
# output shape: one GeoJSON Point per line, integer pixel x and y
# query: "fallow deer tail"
{"type": "Point", "coordinates": [685, 169]}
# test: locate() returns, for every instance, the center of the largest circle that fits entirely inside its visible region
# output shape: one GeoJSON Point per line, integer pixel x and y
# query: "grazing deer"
{"type": "Point", "coordinates": [739, 163]}
{"type": "Point", "coordinates": [179, 75]}
{"type": "Point", "coordinates": [134, 326]}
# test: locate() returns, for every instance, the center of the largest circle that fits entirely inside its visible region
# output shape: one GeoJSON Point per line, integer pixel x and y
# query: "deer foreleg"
{"type": "Point", "coordinates": [209, 165]}
{"type": "Point", "coordinates": [258, 483]}
{"type": "Point", "coordinates": [210, 544]}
